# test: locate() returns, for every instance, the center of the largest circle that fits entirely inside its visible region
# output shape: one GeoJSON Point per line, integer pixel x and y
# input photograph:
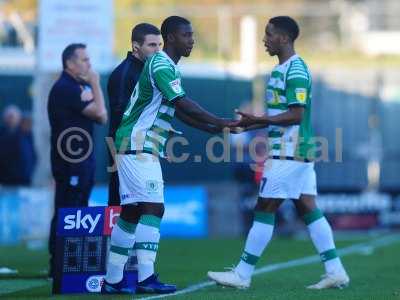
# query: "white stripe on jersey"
{"type": "Point", "coordinates": [156, 136]}
{"type": "Point", "coordinates": [160, 68]}
{"type": "Point", "coordinates": [167, 110]}
{"type": "Point", "coordinates": [161, 123]}
{"type": "Point", "coordinates": [297, 76]}
{"type": "Point", "coordinates": [294, 72]}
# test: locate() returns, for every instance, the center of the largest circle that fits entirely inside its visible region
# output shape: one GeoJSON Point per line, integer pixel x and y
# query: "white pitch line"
{"type": "Point", "coordinates": [356, 248]}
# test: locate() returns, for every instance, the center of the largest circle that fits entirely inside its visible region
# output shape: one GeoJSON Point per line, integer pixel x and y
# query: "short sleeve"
{"type": "Point", "coordinates": [78, 99]}
{"type": "Point", "coordinates": [168, 82]}
{"type": "Point", "coordinates": [297, 84]}
{"type": "Point", "coordinates": [297, 90]}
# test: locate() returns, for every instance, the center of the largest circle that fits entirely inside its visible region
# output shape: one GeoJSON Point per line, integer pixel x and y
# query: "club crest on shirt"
{"type": "Point", "coordinates": [176, 86]}
{"type": "Point", "coordinates": [86, 94]}
{"type": "Point", "coordinates": [152, 186]}
{"type": "Point", "coordinates": [301, 94]}
{"type": "Point", "coordinates": [273, 96]}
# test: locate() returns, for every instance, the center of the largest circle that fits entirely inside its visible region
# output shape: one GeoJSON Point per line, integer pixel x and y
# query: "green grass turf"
{"type": "Point", "coordinates": [374, 275]}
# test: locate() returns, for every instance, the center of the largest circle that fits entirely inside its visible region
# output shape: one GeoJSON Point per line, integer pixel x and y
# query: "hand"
{"type": "Point", "coordinates": [91, 77]}
{"type": "Point", "coordinates": [224, 123]}
{"type": "Point", "coordinates": [86, 94]}
{"type": "Point", "coordinates": [245, 119]}
{"type": "Point", "coordinates": [237, 130]}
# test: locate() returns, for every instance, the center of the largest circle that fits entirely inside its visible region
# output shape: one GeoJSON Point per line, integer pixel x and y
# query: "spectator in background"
{"type": "Point", "coordinates": [17, 154]}
{"type": "Point", "coordinates": [28, 157]}
{"type": "Point", "coordinates": [8, 35]}
{"type": "Point", "coordinates": [9, 141]}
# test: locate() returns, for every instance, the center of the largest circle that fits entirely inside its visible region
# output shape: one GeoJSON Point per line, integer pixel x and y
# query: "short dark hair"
{"type": "Point", "coordinates": [287, 25]}
{"type": "Point", "coordinates": [141, 30]}
{"type": "Point", "coordinates": [171, 24]}
{"type": "Point", "coordinates": [69, 52]}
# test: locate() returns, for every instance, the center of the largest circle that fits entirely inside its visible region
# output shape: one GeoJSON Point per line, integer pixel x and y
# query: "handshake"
{"type": "Point", "coordinates": [245, 122]}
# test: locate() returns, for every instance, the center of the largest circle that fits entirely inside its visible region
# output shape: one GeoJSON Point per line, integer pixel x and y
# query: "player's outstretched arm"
{"type": "Point", "coordinates": [196, 124]}
{"type": "Point", "coordinates": [292, 116]}
{"type": "Point", "coordinates": [196, 112]}
{"type": "Point", "coordinates": [247, 128]}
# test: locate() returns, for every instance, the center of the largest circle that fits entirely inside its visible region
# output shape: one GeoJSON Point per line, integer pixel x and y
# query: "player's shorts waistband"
{"type": "Point", "coordinates": [136, 152]}
{"type": "Point", "coordinates": [289, 158]}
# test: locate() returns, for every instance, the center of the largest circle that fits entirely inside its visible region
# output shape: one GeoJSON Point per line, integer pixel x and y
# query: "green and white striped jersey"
{"type": "Point", "coordinates": [290, 84]}
{"type": "Point", "coordinates": [146, 123]}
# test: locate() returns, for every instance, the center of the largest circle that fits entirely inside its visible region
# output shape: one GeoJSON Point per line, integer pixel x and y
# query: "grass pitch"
{"type": "Point", "coordinates": [374, 268]}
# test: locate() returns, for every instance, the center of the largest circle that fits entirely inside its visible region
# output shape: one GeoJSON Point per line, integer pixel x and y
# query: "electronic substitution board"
{"type": "Point", "coordinates": [82, 243]}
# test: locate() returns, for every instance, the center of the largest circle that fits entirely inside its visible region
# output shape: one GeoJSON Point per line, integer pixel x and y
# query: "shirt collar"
{"type": "Point", "coordinates": [293, 57]}
{"type": "Point", "coordinates": [68, 76]}
{"type": "Point", "coordinates": [169, 58]}
{"type": "Point", "coordinates": [130, 56]}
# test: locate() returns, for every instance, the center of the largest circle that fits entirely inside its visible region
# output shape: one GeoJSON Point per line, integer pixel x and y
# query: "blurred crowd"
{"type": "Point", "coordinates": [17, 152]}
{"type": "Point", "coordinates": [8, 35]}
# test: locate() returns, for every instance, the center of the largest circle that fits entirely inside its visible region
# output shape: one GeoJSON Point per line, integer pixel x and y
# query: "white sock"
{"type": "Point", "coordinates": [322, 237]}
{"type": "Point", "coordinates": [257, 239]}
{"type": "Point", "coordinates": [147, 239]}
{"type": "Point", "coordinates": [122, 241]}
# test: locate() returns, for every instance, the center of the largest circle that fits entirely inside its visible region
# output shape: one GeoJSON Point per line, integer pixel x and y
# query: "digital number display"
{"type": "Point", "coordinates": [72, 254]}
{"type": "Point", "coordinates": [83, 254]}
{"type": "Point", "coordinates": [92, 254]}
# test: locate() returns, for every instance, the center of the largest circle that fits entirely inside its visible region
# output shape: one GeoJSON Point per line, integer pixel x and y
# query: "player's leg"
{"type": "Point", "coordinates": [123, 233]}
{"type": "Point", "coordinates": [122, 241]}
{"type": "Point", "coordinates": [320, 232]}
{"type": "Point", "coordinates": [138, 227]}
{"type": "Point", "coordinates": [141, 183]}
{"type": "Point", "coordinates": [146, 246]}
{"type": "Point", "coordinates": [271, 195]}
{"type": "Point", "coordinates": [259, 235]}
{"type": "Point", "coordinates": [322, 238]}
{"type": "Point", "coordinates": [148, 237]}
{"type": "Point", "coordinates": [257, 240]}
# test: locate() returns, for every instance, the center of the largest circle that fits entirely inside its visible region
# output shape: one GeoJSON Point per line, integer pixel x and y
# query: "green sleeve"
{"type": "Point", "coordinates": [297, 91]}
{"type": "Point", "coordinates": [168, 82]}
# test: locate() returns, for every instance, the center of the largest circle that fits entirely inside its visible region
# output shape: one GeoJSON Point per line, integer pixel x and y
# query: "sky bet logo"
{"type": "Point", "coordinates": [80, 221]}
{"type": "Point", "coordinates": [75, 222]}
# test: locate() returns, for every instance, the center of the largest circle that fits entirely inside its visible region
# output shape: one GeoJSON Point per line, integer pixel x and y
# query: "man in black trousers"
{"type": "Point", "coordinates": [146, 40]}
{"type": "Point", "coordinates": [75, 103]}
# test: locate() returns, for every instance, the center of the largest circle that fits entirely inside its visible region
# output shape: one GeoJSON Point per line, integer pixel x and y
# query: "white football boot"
{"type": "Point", "coordinates": [338, 280]}
{"type": "Point", "coordinates": [229, 278]}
